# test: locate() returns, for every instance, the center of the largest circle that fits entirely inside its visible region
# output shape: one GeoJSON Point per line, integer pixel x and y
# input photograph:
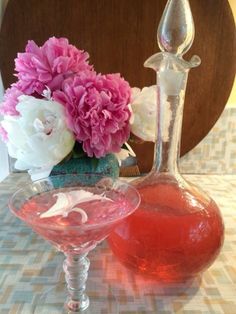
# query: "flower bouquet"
{"type": "Point", "coordinates": [60, 109]}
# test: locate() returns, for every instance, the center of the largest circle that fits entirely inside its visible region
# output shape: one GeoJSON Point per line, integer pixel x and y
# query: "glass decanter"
{"type": "Point", "coordinates": [177, 231]}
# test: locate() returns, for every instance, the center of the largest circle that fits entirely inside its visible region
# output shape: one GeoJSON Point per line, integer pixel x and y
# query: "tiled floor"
{"type": "Point", "coordinates": [29, 266]}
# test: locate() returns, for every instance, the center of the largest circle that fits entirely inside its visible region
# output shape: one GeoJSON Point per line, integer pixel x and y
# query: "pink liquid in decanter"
{"type": "Point", "coordinates": [174, 234]}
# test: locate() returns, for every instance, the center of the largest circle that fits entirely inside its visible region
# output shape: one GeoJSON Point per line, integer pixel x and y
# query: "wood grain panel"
{"type": "Point", "coordinates": [120, 35]}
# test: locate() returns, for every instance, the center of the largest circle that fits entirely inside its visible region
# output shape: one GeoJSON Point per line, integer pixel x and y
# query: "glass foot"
{"type": "Point", "coordinates": [101, 300]}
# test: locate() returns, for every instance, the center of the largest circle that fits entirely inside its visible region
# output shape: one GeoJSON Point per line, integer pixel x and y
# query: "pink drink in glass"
{"type": "Point", "coordinates": [69, 232]}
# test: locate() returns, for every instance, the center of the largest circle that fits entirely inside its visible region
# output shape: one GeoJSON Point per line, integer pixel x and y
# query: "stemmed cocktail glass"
{"type": "Point", "coordinates": [74, 213]}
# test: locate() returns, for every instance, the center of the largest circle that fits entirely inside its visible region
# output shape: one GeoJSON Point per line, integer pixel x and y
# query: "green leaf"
{"type": "Point", "coordinates": [94, 162]}
{"type": "Point", "coordinates": [78, 151]}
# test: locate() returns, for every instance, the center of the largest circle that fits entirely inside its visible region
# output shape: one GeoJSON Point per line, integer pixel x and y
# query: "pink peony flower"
{"type": "Point", "coordinates": [48, 65]}
{"type": "Point", "coordinates": [97, 111]}
{"type": "Point", "coordinates": [3, 134]}
{"type": "Point", "coordinates": [10, 100]}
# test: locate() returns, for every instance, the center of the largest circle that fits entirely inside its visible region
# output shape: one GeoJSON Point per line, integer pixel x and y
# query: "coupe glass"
{"type": "Point", "coordinates": [75, 213]}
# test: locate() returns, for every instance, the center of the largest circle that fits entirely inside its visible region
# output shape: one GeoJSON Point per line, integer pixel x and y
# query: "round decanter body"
{"type": "Point", "coordinates": [175, 234]}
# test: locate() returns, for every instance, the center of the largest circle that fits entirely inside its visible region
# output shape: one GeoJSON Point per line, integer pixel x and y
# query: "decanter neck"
{"type": "Point", "coordinates": [170, 103]}
{"type": "Point", "coordinates": [175, 36]}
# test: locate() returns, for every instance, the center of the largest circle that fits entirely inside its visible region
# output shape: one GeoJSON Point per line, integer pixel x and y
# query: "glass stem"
{"type": "Point", "coordinates": [76, 272]}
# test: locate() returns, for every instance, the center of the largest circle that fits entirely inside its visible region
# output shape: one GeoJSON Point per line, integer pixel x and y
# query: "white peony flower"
{"type": "Point", "coordinates": [143, 104]}
{"type": "Point", "coordinates": [38, 138]}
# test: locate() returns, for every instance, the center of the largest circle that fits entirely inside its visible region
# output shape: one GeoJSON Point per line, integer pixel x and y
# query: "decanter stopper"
{"type": "Point", "coordinates": [175, 36]}
{"type": "Point", "coordinates": [175, 32]}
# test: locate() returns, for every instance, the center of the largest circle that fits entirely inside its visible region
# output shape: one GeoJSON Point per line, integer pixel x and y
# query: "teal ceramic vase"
{"type": "Point", "coordinates": [104, 167]}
